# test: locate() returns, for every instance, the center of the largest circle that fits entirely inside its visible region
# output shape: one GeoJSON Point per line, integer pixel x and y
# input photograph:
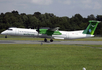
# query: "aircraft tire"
{"type": "Point", "coordinates": [45, 40]}
{"type": "Point", "coordinates": [6, 36]}
{"type": "Point", "coordinates": [51, 40]}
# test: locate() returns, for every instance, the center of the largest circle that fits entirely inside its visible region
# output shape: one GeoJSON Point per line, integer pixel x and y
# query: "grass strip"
{"type": "Point", "coordinates": [49, 57]}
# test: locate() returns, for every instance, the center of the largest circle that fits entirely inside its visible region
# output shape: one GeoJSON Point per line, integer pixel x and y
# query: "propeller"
{"type": "Point", "coordinates": [38, 29]}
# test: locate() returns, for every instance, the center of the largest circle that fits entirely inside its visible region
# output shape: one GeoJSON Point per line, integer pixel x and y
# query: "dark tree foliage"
{"type": "Point", "coordinates": [23, 20]}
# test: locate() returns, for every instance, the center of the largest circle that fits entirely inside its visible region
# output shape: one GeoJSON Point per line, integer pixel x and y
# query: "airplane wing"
{"type": "Point", "coordinates": [50, 31]}
{"type": "Point", "coordinates": [54, 29]}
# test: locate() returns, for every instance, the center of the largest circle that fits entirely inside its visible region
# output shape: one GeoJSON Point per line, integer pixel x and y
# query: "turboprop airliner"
{"type": "Point", "coordinates": [53, 33]}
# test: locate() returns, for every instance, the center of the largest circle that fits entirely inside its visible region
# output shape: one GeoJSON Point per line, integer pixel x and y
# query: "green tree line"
{"type": "Point", "coordinates": [23, 20]}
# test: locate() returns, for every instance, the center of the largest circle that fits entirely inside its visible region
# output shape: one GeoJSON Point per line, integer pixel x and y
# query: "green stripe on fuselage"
{"type": "Point", "coordinates": [48, 32]}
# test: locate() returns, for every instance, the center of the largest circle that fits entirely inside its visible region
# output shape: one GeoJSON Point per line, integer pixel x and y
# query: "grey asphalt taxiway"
{"type": "Point", "coordinates": [54, 42]}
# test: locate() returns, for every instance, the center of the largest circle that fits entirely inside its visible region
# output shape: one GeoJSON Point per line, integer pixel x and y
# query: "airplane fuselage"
{"type": "Point", "coordinates": [56, 35]}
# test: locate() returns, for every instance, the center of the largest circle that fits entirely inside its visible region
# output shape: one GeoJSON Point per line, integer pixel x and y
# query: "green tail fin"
{"type": "Point", "coordinates": [91, 27]}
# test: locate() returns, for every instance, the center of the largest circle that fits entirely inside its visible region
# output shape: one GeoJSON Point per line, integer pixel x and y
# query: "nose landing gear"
{"type": "Point", "coordinates": [6, 36]}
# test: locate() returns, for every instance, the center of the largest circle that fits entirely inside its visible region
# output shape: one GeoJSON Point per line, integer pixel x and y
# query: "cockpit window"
{"type": "Point", "coordinates": [10, 29]}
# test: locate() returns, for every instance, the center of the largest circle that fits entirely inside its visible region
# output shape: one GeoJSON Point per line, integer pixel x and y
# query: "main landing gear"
{"type": "Point", "coordinates": [51, 40]}
{"type": "Point", "coordinates": [45, 40]}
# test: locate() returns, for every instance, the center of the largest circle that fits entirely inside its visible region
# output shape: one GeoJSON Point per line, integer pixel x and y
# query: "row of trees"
{"type": "Point", "coordinates": [76, 22]}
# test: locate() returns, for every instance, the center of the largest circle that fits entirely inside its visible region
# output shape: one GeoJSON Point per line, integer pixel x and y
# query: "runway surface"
{"type": "Point", "coordinates": [55, 42]}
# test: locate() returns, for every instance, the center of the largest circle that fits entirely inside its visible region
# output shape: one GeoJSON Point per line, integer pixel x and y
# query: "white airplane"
{"type": "Point", "coordinates": [53, 33]}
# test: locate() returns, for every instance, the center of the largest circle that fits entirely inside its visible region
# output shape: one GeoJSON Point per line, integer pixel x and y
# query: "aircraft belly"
{"type": "Point", "coordinates": [63, 36]}
{"type": "Point", "coordinates": [76, 36]}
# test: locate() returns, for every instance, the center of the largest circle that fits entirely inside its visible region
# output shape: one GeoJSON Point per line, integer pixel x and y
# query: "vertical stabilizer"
{"type": "Point", "coordinates": [91, 27]}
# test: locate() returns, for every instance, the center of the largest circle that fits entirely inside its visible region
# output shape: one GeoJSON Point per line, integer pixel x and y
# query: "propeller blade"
{"type": "Point", "coordinates": [38, 29]}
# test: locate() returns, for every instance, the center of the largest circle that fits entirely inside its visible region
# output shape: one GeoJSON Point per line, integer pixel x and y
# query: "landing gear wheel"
{"type": "Point", "coordinates": [51, 40]}
{"type": "Point", "coordinates": [6, 36]}
{"type": "Point", "coordinates": [45, 40]}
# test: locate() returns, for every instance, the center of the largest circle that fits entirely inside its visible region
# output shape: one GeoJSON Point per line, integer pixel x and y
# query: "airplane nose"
{"type": "Point", "coordinates": [3, 33]}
